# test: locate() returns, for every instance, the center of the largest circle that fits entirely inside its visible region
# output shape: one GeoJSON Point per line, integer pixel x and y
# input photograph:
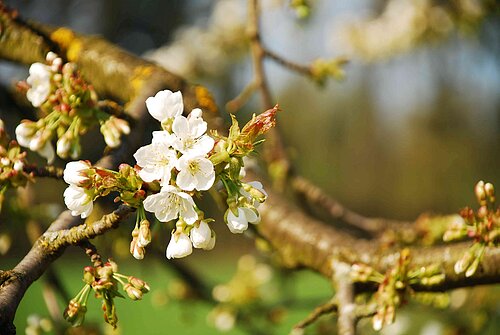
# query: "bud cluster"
{"type": "Point", "coordinates": [104, 280]}
{"type": "Point", "coordinates": [87, 183]}
{"type": "Point", "coordinates": [12, 163]}
{"type": "Point", "coordinates": [69, 108]}
{"type": "Point", "coordinates": [391, 292]}
{"type": "Point", "coordinates": [482, 226]}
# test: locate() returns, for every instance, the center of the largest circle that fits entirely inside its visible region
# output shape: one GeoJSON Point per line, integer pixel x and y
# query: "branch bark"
{"type": "Point", "coordinates": [301, 240]}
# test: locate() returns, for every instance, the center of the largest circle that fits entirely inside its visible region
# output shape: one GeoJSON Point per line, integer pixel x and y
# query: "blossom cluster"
{"type": "Point", "coordinates": [69, 108]}
{"type": "Point", "coordinates": [104, 280]}
{"type": "Point", "coordinates": [12, 163]}
{"type": "Point", "coordinates": [181, 161]}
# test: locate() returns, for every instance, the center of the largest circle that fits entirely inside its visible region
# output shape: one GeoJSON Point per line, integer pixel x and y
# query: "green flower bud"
{"type": "Point", "coordinates": [75, 313]}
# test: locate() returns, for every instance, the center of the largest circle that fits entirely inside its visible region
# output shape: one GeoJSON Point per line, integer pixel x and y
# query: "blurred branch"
{"type": "Point", "coordinates": [315, 195]}
{"type": "Point", "coordinates": [326, 308]}
{"type": "Point", "coordinates": [345, 297]}
{"type": "Point", "coordinates": [275, 153]}
{"type": "Point", "coordinates": [45, 171]}
{"type": "Point", "coordinates": [301, 69]}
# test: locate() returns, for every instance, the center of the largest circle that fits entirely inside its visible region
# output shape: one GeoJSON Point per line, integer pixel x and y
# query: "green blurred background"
{"type": "Point", "coordinates": [411, 129]}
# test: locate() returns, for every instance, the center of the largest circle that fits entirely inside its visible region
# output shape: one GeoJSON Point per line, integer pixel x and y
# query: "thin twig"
{"type": "Point", "coordinates": [275, 152]}
{"type": "Point", "coordinates": [91, 251]}
{"type": "Point", "coordinates": [337, 211]}
{"type": "Point", "coordinates": [299, 68]}
{"type": "Point", "coordinates": [326, 308]}
{"type": "Point", "coordinates": [241, 99]}
{"type": "Point", "coordinates": [44, 171]}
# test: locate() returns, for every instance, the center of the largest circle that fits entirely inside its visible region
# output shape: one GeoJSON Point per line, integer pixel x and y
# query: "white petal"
{"type": "Point", "coordinates": [236, 224]}
{"type": "Point", "coordinates": [211, 243]}
{"type": "Point", "coordinates": [165, 104]}
{"type": "Point", "coordinates": [250, 215]}
{"type": "Point", "coordinates": [48, 152]}
{"type": "Point", "coordinates": [203, 145]}
{"type": "Point", "coordinates": [179, 246]}
{"type": "Point", "coordinates": [200, 236]}
{"type": "Point", "coordinates": [164, 137]}
{"type": "Point", "coordinates": [73, 172]}
{"type": "Point", "coordinates": [186, 180]}
{"type": "Point", "coordinates": [180, 127]}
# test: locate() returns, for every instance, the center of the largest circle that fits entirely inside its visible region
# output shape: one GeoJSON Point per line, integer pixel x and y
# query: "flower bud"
{"type": "Point", "coordinates": [179, 246]}
{"type": "Point", "coordinates": [133, 292]}
{"type": "Point", "coordinates": [63, 146]}
{"type": "Point", "coordinates": [490, 191]}
{"type": "Point", "coordinates": [144, 237]}
{"type": "Point", "coordinates": [211, 243]}
{"type": "Point", "coordinates": [75, 313]}
{"type": "Point", "coordinates": [201, 235]}
{"type": "Point", "coordinates": [139, 284]}
{"type": "Point", "coordinates": [480, 192]}
{"type": "Point", "coordinates": [89, 275]}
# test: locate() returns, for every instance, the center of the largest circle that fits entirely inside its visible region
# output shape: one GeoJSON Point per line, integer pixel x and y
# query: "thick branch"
{"type": "Point", "coordinates": [46, 250]}
{"type": "Point", "coordinates": [303, 241]}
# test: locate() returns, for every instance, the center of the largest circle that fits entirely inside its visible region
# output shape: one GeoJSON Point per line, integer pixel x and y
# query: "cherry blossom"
{"type": "Point", "coordinates": [78, 201]}
{"type": "Point", "coordinates": [190, 132]}
{"type": "Point", "coordinates": [170, 204]}
{"type": "Point", "coordinates": [157, 161]}
{"type": "Point", "coordinates": [165, 105]}
{"type": "Point", "coordinates": [39, 80]}
{"type": "Point", "coordinates": [179, 246]}
{"type": "Point", "coordinates": [74, 173]}
{"type": "Point", "coordinates": [195, 172]}
{"type": "Point", "coordinates": [201, 235]}
{"type": "Point", "coordinates": [237, 224]}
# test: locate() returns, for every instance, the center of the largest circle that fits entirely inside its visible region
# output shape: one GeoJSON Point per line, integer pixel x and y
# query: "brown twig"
{"type": "Point", "coordinates": [241, 99]}
{"type": "Point", "coordinates": [45, 171]}
{"type": "Point", "coordinates": [301, 69]}
{"type": "Point", "coordinates": [337, 211]}
{"type": "Point", "coordinates": [326, 308]}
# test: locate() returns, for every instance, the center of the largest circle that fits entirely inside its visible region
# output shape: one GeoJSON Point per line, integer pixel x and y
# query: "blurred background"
{"type": "Point", "coordinates": [412, 127]}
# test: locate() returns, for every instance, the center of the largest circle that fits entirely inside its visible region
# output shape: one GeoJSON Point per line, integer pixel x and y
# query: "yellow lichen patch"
{"type": "Point", "coordinates": [63, 37]}
{"type": "Point", "coordinates": [141, 74]}
{"type": "Point", "coordinates": [67, 42]}
{"type": "Point", "coordinates": [205, 99]}
{"type": "Point", "coordinates": [74, 50]}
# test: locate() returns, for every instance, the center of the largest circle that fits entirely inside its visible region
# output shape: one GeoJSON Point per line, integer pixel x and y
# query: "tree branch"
{"type": "Point", "coordinates": [61, 234]}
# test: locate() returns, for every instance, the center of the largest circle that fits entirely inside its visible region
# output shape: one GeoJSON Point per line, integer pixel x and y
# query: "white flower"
{"type": "Point", "coordinates": [165, 105]}
{"type": "Point", "coordinates": [78, 201]}
{"type": "Point", "coordinates": [171, 203]}
{"type": "Point", "coordinates": [74, 173]}
{"type": "Point", "coordinates": [39, 80]}
{"type": "Point", "coordinates": [179, 246]}
{"type": "Point", "coordinates": [237, 224]}
{"type": "Point", "coordinates": [190, 134]}
{"type": "Point", "coordinates": [157, 161]}
{"type": "Point", "coordinates": [259, 194]}
{"type": "Point", "coordinates": [196, 172]}
{"type": "Point", "coordinates": [201, 235]}
{"type": "Point", "coordinates": [25, 132]}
